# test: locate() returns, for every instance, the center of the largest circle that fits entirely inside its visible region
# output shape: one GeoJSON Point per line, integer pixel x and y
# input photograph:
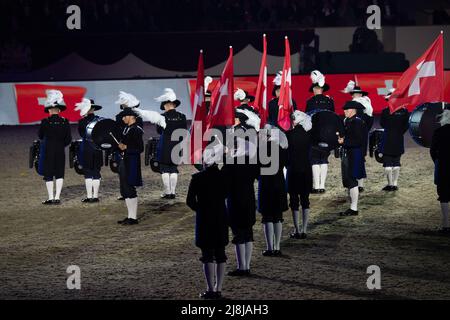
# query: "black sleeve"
{"type": "Point", "coordinates": [294, 104]}
{"type": "Point", "coordinates": [42, 129]}
{"type": "Point", "coordinates": [184, 125]}
{"type": "Point", "coordinates": [68, 133]}
{"type": "Point", "coordinates": [191, 199]}
{"type": "Point", "coordinates": [308, 106]}
{"type": "Point", "coordinates": [159, 129]}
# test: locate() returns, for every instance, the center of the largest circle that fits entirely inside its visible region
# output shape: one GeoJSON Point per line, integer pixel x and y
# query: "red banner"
{"type": "Point", "coordinates": [377, 84]}
{"type": "Point", "coordinates": [30, 97]}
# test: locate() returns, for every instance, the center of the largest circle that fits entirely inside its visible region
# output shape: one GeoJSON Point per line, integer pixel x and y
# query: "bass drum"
{"type": "Point", "coordinates": [99, 132]}
{"type": "Point", "coordinates": [325, 124]}
{"type": "Point", "coordinates": [150, 154]}
{"type": "Point", "coordinates": [424, 121]}
{"type": "Point", "coordinates": [74, 161]}
{"type": "Point", "coordinates": [375, 140]}
{"type": "Point", "coordinates": [33, 160]}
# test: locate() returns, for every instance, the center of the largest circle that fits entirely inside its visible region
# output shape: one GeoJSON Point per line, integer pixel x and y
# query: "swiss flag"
{"type": "Point", "coordinates": [285, 101]}
{"type": "Point", "coordinates": [30, 101]}
{"type": "Point", "coordinates": [198, 114]}
{"type": "Point", "coordinates": [423, 81]}
{"type": "Point", "coordinates": [221, 112]}
{"type": "Point", "coordinates": [261, 90]}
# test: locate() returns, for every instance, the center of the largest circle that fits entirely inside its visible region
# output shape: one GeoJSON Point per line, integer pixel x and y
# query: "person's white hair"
{"type": "Point", "coordinates": [301, 118]}
{"type": "Point", "coordinates": [54, 97]}
{"type": "Point", "coordinates": [367, 103]}
{"type": "Point", "coordinates": [444, 118]}
{"type": "Point", "coordinates": [84, 106]}
{"type": "Point", "coordinates": [127, 99]}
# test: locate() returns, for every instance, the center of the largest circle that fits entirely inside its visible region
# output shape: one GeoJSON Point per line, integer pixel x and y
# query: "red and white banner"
{"type": "Point", "coordinates": [221, 112]}
{"type": "Point", "coordinates": [261, 90]}
{"type": "Point", "coordinates": [30, 97]}
{"type": "Point", "coordinates": [285, 101]}
{"type": "Point", "coordinates": [198, 125]}
{"type": "Point", "coordinates": [423, 81]}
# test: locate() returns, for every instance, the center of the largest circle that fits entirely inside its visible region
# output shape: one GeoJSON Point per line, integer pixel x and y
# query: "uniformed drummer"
{"type": "Point", "coordinates": [440, 153]}
{"type": "Point", "coordinates": [319, 156]}
{"type": "Point", "coordinates": [91, 157]}
{"type": "Point", "coordinates": [131, 146]}
{"type": "Point", "coordinates": [174, 120]}
{"type": "Point", "coordinates": [126, 100]}
{"type": "Point", "coordinates": [366, 115]}
{"type": "Point", "coordinates": [352, 157]}
{"type": "Point", "coordinates": [273, 104]}
{"type": "Point", "coordinates": [55, 135]}
{"type": "Point", "coordinates": [392, 143]}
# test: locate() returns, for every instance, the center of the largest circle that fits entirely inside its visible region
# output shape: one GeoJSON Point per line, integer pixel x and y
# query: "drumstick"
{"type": "Point", "coordinates": [114, 138]}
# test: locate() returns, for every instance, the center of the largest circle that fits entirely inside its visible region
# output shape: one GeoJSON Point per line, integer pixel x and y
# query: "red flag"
{"type": "Point", "coordinates": [221, 112]}
{"type": "Point", "coordinates": [30, 97]}
{"type": "Point", "coordinates": [198, 125]}
{"type": "Point", "coordinates": [285, 100]}
{"type": "Point", "coordinates": [423, 81]}
{"type": "Point", "coordinates": [261, 91]}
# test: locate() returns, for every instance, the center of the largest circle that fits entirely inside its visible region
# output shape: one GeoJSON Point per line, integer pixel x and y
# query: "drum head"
{"type": "Point", "coordinates": [101, 134]}
{"type": "Point", "coordinates": [325, 125]}
{"type": "Point", "coordinates": [423, 122]}
{"type": "Point", "coordinates": [114, 166]}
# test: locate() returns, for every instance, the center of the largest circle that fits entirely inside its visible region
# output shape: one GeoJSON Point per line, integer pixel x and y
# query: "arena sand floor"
{"type": "Point", "coordinates": [157, 259]}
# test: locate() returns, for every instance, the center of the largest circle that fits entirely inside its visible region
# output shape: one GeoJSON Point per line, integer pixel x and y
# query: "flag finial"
{"type": "Point", "coordinates": [264, 34]}
{"type": "Point", "coordinates": [442, 31]}
{"type": "Point", "coordinates": [201, 50]}
{"type": "Point", "coordinates": [286, 37]}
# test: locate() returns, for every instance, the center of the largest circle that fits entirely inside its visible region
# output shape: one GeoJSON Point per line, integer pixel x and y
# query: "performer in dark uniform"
{"type": "Point", "coordinates": [353, 153]}
{"type": "Point", "coordinates": [366, 115]}
{"type": "Point", "coordinates": [126, 100]}
{"type": "Point", "coordinates": [241, 193]}
{"type": "Point", "coordinates": [319, 155]}
{"type": "Point", "coordinates": [273, 104]}
{"type": "Point", "coordinates": [131, 146]}
{"type": "Point", "coordinates": [206, 196]}
{"type": "Point", "coordinates": [392, 144]}
{"type": "Point", "coordinates": [440, 153]}
{"type": "Point", "coordinates": [55, 135]}
{"type": "Point", "coordinates": [91, 157]}
{"type": "Point", "coordinates": [299, 173]}
{"type": "Point", "coordinates": [272, 194]}
{"type": "Point", "coordinates": [174, 120]}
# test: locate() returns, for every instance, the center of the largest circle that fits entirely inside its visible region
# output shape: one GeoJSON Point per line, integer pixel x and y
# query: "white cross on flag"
{"type": "Point", "coordinates": [423, 81]}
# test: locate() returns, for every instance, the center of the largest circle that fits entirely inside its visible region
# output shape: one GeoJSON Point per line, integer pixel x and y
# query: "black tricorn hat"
{"type": "Point", "coordinates": [128, 112]}
{"type": "Point", "coordinates": [357, 89]}
{"type": "Point", "coordinates": [353, 105]}
{"type": "Point", "coordinates": [325, 87]}
{"type": "Point", "coordinates": [176, 102]}
{"type": "Point", "coordinates": [61, 107]}
{"type": "Point", "coordinates": [95, 106]}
